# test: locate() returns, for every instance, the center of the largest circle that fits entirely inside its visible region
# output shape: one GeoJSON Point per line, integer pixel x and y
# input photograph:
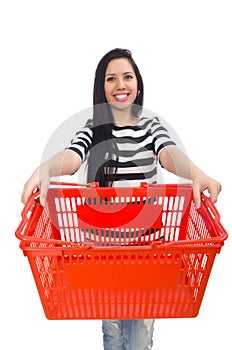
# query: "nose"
{"type": "Point", "coordinates": [120, 84]}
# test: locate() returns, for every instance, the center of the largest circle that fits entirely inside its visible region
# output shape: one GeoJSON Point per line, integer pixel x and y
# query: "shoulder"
{"type": "Point", "coordinates": [88, 127]}
{"type": "Point", "coordinates": [86, 130]}
{"type": "Point", "coordinates": [149, 115]}
{"type": "Point", "coordinates": [149, 121]}
{"type": "Point", "coordinates": [89, 124]}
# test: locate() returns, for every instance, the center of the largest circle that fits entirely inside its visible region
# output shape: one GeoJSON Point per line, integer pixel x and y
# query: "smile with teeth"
{"type": "Point", "coordinates": [121, 97]}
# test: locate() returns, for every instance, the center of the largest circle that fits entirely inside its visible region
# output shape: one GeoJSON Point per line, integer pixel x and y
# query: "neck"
{"type": "Point", "coordinates": [126, 121]}
{"type": "Point", "coordinates": [123, 116]}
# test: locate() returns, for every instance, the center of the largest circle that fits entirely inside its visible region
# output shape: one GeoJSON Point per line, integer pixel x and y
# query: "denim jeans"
{"type": "Point", "coordinates": [128, 334]}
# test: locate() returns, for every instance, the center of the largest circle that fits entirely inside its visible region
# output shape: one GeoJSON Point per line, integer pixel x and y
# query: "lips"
{"type": "Point", "coordinates": [121, 97]}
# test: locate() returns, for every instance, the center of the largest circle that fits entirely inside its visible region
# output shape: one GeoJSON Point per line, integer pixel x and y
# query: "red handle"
{"type": "Point", "coordinates": [74, 184]}
{"type": "Point", "coordinates": [29, 203]}
{"type": "Point", "coordinates": [213, 215]}
{"type": "Point", "coordinates": [213, 210]}
{"type": "Point", "coordinates": [32, 200]}
{"type": "Point", "coordinates": [25, 217]}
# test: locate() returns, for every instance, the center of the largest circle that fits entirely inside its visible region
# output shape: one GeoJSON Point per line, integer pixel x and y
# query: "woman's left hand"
{"type": "Point", "coordinates": [201, 183]}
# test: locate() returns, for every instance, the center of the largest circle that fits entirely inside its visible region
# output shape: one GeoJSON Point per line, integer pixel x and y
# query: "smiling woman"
{"type": "Point", "coordinates": [118, 101]}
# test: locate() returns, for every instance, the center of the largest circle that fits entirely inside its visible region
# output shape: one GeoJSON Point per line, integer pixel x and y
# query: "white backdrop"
{"type": "Point", "coordinates": [49, 52]}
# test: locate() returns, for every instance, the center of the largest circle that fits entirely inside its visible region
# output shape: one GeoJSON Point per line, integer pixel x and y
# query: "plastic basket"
{"type": "Point", "coordinates": [120, 253]}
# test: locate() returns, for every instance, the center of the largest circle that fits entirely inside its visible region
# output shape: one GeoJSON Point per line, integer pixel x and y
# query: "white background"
{"type": "Point", "coordinates": [49, 52]}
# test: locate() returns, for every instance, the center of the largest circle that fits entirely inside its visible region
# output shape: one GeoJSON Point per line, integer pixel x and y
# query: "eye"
{"type": "Point", "coordinates": [110, 79]}
{"type": "Point", "coordinates": [128, 77]}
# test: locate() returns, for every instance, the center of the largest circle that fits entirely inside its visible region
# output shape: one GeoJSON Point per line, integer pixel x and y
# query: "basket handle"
{"type": "Point", "coordinates": [33, 198]}
{"type": "Point", "coordinates": [211, 207]}
{"type": "Point", "coordinates": [27, 208]}
{"type": "Point", "coordinates": [214, 216]}
{"type": "Point", "coordinates": [31, 202]}
{"type": "Point", "coordinates": [25, 217]}
{"type": "Point", "coordinates": [74, 184]}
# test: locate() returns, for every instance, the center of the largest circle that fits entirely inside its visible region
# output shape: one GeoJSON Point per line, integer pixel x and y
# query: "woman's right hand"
{"type": "Point", "coordinates": [65, 162]}
{"type": "Point", "coordinates": [39, 179]}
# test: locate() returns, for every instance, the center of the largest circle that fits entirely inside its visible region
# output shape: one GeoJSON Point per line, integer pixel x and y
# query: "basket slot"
{"type": "Point", "coordinates": [109, 237]}
{"type": "Point", "coordinates": [197, 228]}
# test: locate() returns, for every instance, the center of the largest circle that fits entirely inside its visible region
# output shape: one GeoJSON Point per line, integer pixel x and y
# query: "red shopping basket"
{"type": "Point", "coordinates": [120, 253]}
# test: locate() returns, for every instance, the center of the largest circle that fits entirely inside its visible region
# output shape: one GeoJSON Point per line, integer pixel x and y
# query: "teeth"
{"type": "Point", "coordinates": [121, 96]}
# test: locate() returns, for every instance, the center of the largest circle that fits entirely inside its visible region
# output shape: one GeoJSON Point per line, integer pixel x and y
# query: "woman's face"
{"type": "Point", "coordinates": [121, 86]}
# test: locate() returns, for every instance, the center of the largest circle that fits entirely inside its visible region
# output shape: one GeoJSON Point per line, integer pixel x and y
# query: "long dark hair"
{"type": "Point", "coordinates": [100, 161]}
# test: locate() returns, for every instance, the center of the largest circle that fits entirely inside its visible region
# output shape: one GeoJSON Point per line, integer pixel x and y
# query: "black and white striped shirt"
{"type": "Point", "coordinates": [138, 148]}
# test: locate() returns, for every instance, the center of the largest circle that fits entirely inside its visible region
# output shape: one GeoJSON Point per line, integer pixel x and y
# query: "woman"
{"type": "Point", "coordinates": [122, 147]}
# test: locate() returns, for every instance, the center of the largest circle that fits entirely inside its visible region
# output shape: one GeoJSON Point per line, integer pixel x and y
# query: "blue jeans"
{"type": "Point", "coordinates": [128, 334]}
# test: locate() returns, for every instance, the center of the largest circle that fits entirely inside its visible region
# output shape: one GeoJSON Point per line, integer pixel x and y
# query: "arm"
{"type": "Point", "coordinates": [175, 161]}
{"type": "Point", "coordinates": [63, 163]}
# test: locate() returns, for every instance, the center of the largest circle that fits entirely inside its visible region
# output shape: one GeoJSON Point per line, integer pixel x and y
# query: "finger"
{"type": "Point", "coordinates": [196, 195]}
{"type": "Point", "coordinates": [214, 192]}
{"type": "Point", "coordinates": [213, 196]}
{"type": "Point", "coordinates": [27, 191]}
{"type": "Point", "coordinates": [24, 197]}
{"type": "Point", "coordinates": [43, 191]}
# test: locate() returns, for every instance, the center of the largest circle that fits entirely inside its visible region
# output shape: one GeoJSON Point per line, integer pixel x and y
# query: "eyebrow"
{"type": "Point", "coordinates": [123, 73]}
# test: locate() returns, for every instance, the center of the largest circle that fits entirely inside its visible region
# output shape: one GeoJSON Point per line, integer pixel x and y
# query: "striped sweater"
{"type": "Point", "coordinates": [138, 149]}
